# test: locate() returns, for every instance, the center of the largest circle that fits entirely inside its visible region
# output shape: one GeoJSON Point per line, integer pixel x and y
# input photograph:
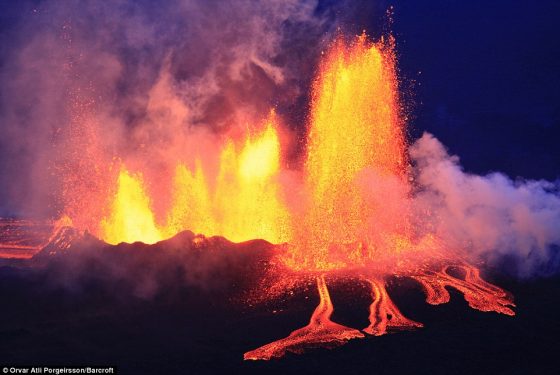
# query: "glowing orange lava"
{"type": "Point", "coordinates": [480, 294]}
{"type": "Point", "coordinates": [384, 314]}
{"type": "Point", "coordinates": [320, 332]}
{"type": "Point", "coordinates": [245, 202]}
{"type": "Point", "coordinates": [131, 216]}
{"type": "Point", "coordinates": [355, 142]}
{"type": "Point", "coordinates": [358, 213]}
{"type": "Point", "coordinates": [241, 202]}
{"type": "Point", "coordinates": [21, 239]}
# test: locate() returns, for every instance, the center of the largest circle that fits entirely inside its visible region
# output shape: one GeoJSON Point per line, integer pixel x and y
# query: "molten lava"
{"type": "Point", "coordinates": [355, 142]}
{"type": "Point", "coordinates": [245, 202]}
{"type": "Point", "coordinates": [241, 203]}
{"type": "Point", "coordinates": [131, 217]}
{"type": "Point", "coordinates": [384, 314]}
{"type": "Point", "coordinates": [358, 215]}
{"type": "Point", "coordinates": [320, 332]}
{"type": "Point", "coordinates": [479, 294]}
{"type": "Point", "coordinates": [21, 239]}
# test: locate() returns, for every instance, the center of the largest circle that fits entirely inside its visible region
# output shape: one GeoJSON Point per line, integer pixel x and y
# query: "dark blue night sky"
{"type": "Point", "coordinates": [489, 77]}
{"type": "Point", "coordinates": [490, 80]}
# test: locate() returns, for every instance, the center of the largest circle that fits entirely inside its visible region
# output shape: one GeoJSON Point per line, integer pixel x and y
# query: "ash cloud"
{"type": "Point", "coordinates": [492, 217]}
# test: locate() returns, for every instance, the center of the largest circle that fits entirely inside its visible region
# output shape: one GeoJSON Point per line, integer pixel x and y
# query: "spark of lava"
{"type": "Point", "coordinates": [356, 135]}
{"type": "Point", "coordinates": [356, 215]}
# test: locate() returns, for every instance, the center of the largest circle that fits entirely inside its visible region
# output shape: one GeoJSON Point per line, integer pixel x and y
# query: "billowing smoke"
{"type": "Point", "coordinates": [85, 83]}
{"type": "Point", "coordinates": [492, 216]}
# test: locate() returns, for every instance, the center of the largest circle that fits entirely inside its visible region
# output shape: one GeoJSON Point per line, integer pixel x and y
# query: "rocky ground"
{"type": "Point", "coordinates": [188, 306]}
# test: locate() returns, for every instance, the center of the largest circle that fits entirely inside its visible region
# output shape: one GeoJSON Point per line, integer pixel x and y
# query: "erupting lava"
{"type": "Point", "coordinates": [245, 202]}
{"type": "Point", "coordinates": [354, 172]}
{"type": "Point", "coordinates": [241, 204]}
{"type": "Point", "coordinates": [355, 216]}
{"type": "Point", "coordinates": [131, 217]}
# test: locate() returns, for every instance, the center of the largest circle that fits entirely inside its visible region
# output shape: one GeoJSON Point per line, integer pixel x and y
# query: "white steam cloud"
{"type": "Point", "coordinates": [489, 216]}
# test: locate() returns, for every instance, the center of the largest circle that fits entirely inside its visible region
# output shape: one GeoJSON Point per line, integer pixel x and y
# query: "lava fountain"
{"type": "Point", "coordinates": [240, 202]}
{"type": "Point", "coordinates": [358, 219]}
{"type": "Point", "coordinates": [355, 136]}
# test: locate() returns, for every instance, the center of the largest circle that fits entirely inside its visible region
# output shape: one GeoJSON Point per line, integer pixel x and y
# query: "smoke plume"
{"type": "Point", "coordinates": [490, 216]}
{"type": "Point", "coordinates": [89, 83]}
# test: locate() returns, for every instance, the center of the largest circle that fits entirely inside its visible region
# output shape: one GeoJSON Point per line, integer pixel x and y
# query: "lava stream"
{"type": "Point", "coordinates": [384, 314]}
{"type": "Point", "coordinates": [479, 294]}
{"type": "Point", "coordinates": [320, 332]}
{"type": "Point", "coordinates": [24, 238]}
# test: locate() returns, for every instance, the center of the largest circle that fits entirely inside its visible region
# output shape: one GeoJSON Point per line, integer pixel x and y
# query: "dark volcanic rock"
{"type": "Point", "coordinates": [178, 307]}
{"type": "Point", "coordinates": [186, 259]}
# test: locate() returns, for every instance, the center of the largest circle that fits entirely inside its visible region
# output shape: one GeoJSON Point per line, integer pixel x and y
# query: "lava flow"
{"type": "Point", "coordinates": [354, 171]}
{"type": "Point", "coordinates": [383, 313]}
{"type": "Point", "coordinates": [479, 294]}
{"type": "Point", "coordinates": [320, 332]}
{"type": "Point", "coordinates": [21, 239]}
